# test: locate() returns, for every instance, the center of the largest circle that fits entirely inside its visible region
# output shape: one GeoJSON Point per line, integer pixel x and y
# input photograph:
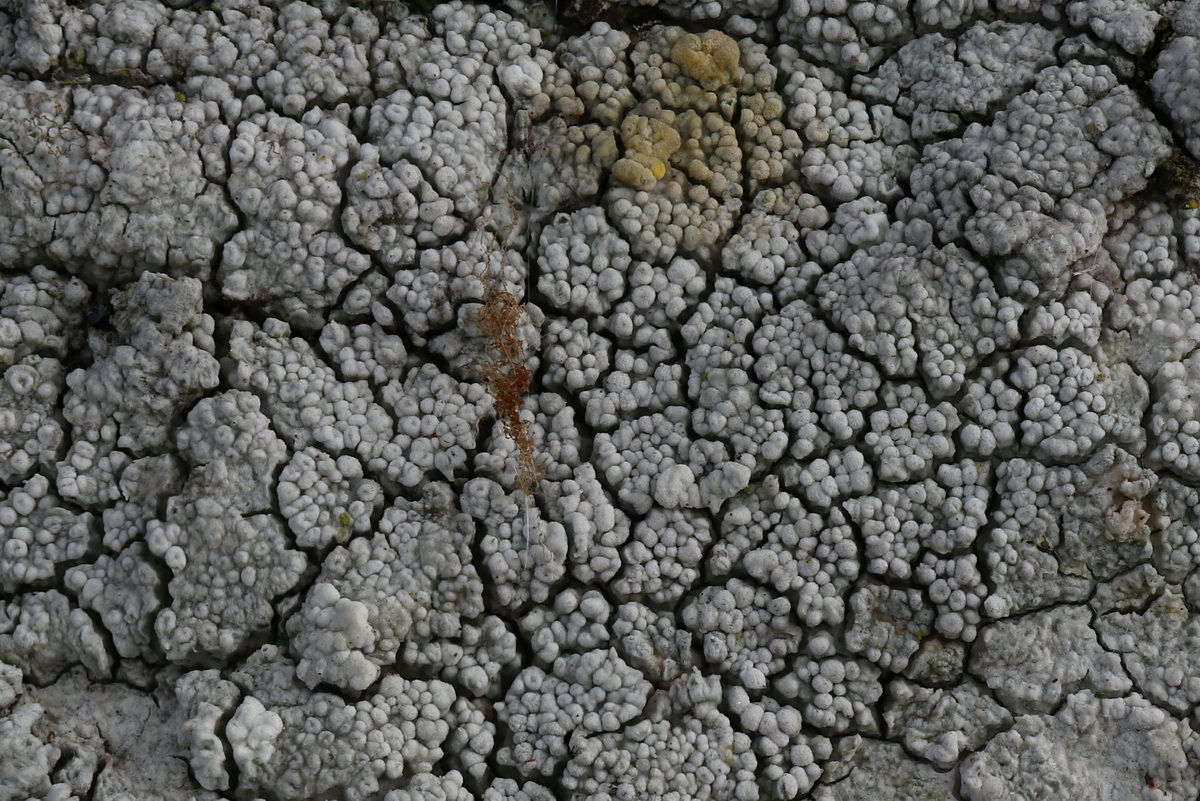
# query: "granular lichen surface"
{"type": "Point", "coordinates": [704, 400]}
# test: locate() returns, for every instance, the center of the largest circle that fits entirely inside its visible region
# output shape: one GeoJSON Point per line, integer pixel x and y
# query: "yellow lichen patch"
{"type": "Point", "coordinates": [653, 136]}
{"type": "Point", "coordinates": [649, 143]}
{"type": "Point", "coordinates": [634, 173]}
{"type": "Point", "coordinates": [604, 148]}
{"type": "Point", "coordinates": [711, 59]}
{"type": "Point", "coordinates": [639, 171]}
